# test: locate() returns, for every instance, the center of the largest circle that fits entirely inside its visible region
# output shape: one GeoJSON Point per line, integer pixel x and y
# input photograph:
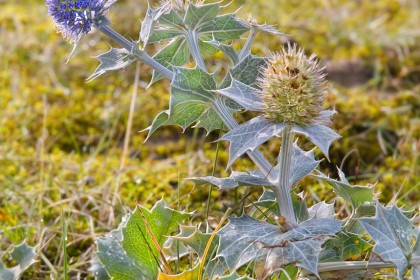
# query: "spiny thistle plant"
{"type": "Point", "coordinates": [287, 89]}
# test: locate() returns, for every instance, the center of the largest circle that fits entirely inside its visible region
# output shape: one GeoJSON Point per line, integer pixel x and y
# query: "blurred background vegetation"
{"type": "Point", "coordinates": [61, 139]}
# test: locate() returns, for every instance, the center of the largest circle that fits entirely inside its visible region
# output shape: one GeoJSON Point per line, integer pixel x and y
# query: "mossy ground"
{"type": "Point", "coordinates": [61, 139]}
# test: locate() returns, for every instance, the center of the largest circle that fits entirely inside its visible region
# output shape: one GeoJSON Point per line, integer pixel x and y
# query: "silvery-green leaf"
{"type": "Point", "coordinates": [114, 259]}
{"type": "Point", "coordinates": [206, 49]}
{"type": "Point", "coordinates": [97, 269]}
{"type": "Point", "coordinates": [415, 258]}
{"type": "Point", "coordinates": [343, 246]}
{"type": "Point", "coordinates": [247, 71]}
{"type": "Point", "coordinates": [227, 50]}
{"type": "Point", "coordinates": [252, 23]}
{"type": "Point", "coordinates": [322, 136]}
{"type": "Point", "coordinates": [246, 96]}
{"type": "Point", "coordinates": [195, 82]}
{"type": "Point", "coordinates": [170, 19]}
{"type": "Point", "coordinates": [174, 250]}
{"type": "Point", "coordinates": [24, 256]}
{"type": "Point", "coordinates": [160, 35]}
{"type": "Point", "coordinates": [176, 53]}
{"type": "Point", "coordinates": [210, 121]}
{"type": "Point", "coordinates": [303, 163]}
{"type": "Point", "coordinates": [148, 24]}
{"type": "Point", "coordinates": [356, 195]}
{"type": "Point", "coordinates": [185, 113]}
{"type": "Point", "coordinates": [245, 240]}
{"type": "Point", "coordinates": [321, 210]}
{"type": "Point", "coordinates": [269, 29]}
{"type": "Point", "coordinates": [193, 237]}
{"type": "Point", "coordinates": [224, 27]}
{"type": "Point", "coordinates": [137, 241]}
{"type": "Point", "coordinates": [391, 230]}
{"type": "Point", "coordinates": [248, 136]}
{"type": "Point", "coordinates": [268, 200]}
{"type": "Point", "coordinates": [114, 59]}
{"type": "Point", "coordinates": [159, 120]}
{"type": "Point", "coordinates": [198, 14]}
{"type": "Point", "coordinates": [6, 273]}
{"type": "Point", "coordinates": [234, 180]}
{"type": "Point", "coordinates": [190, 100]}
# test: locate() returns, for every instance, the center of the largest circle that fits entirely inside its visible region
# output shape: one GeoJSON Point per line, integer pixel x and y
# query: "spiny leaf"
{"type": "Point", "coordinates": [303, 163]}
{"type": "Point", "coordinates": [247, 71]}
{"type": "Point", "coordinates": [194, 238]}
{"type": "Point", "coordinates": [268, 200]}
{"type": "Point", "coordinates": [235, 179]}
{"type": "Point", "coordinates": [343, 246]}
{"type": "Point", "coordinates": [248, 97]}
{"type": "Point", "coordinates": [114, 259]}
{"type": "Point", "coordinates": [176, 53]}
{"type": "Point", "coordinates": [248, 136]}
{"type": "Point", "coordinates": [210, 121]}
{"type": "Point", "coordinates": [391, 230]}
{"type": "Point", "coordinates": [227, 50]}
{"type": "Point", "coordinates": [160, 35]}
{"type": "Point", "coordinates": [114, 59]}
{"type": "Point", "coordinates": [191, 96]}
{"type": "Point", "coordinates": [356, 195]}
{"type": "Point", "coordinates": [24, 256]}
{"type": "Point", "coordinates": [195, 82]}
{"type": "Point", "coordinates": [321, 210]}
{"type": "Point", "coordinates": [224, 27]}
{"type": "Point", "coordinates": [170, 19]}
{"type": "Point", "coordinates": [159, 120]}
{"type": "Point", "coordinates": [415, 258]}
{"type": "Point", "coordinates": [148, 24]}
{"type": "Point", "coordinates": [200, 19]}
{"type": "Point", "coordinates": [138, 244]}
{"type": "Point", "coordinates": [245, 239]}
{"type": "Point", "coordinates": [322, 136]}
{"type": "Point", "coordinates": [174, 249]}
{"type": "Point", "coordinates": [197, 15]}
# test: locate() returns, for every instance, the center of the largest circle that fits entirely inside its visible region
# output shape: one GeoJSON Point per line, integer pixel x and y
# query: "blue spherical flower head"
{"type": "Point", "coordinates": [74, 18]}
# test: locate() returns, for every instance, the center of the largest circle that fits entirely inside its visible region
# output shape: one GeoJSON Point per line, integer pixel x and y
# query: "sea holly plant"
{"type": "Point", "coordinates": [285, 90]}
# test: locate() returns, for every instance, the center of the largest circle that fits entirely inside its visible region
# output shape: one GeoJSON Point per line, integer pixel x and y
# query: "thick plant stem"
{"type": "Point", "coordinates": [115, 36]}
{"type": "Point", "coordinates": [230, 122]}
{"type": "Point", "coordinates": [283, 191]}
{"type": "Point", "coordinates": [248, 43]}
{"type": "Point", "coordinates": [353, 265]}
{"type": "Point", "coordinates": [129, 46]}
{"type": "Point", "coordinates": [192, 38]}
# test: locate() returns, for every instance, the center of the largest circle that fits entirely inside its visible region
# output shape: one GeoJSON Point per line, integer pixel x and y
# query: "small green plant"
{"type": "Point", "coordinates": [286, 90]}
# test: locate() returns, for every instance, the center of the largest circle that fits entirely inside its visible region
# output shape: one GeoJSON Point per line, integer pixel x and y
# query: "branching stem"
{"type": "Point", "coordinates": [192, 39]}
{"type": "Point", "coordinates": [230, 122]}
{"type": "Point", "coordinates": [219, 105]}
{"type": "Point", "coordinates": [129, 46]}
{"type": "Point", "coordinates": [248, 43]}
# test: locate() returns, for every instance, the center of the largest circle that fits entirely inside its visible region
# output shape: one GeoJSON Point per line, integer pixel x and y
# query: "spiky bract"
{"type": "Point", "coordinates": [74, 18]}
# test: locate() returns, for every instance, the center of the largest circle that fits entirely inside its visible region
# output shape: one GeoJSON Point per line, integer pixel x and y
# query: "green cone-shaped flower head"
{"type": "Point", "coordinates": [293, 86]}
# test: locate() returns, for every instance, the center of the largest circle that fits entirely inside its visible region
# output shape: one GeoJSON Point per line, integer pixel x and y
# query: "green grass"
{"type": "Point", "coordinates": [61, 139]}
